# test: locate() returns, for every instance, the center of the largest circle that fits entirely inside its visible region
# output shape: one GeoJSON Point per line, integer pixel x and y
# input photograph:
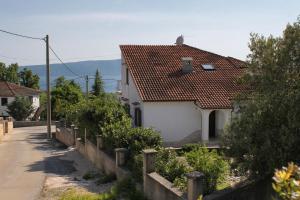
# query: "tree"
{"type": "Point", "coordinates": [10, 73]}
{"type": "Point", "coordinates": [28, 79]}
{"type": "Point", "coordinates": [98, 89]}
{"type": "Point", "coordinates": [20, 108]}
{"type": "Point", "coordinates": [25, 77]}
{"type": "Point", "coordinates": [266, 135]}
{"type": "Point", "coordinates": [64, 95]}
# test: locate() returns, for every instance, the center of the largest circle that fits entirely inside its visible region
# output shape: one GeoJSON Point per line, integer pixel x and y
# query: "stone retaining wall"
{"type": "Point", "coordinates": [99, 158]}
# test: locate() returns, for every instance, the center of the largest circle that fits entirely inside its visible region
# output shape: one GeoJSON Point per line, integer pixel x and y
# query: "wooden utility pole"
{"type": "Point", "coordinates": [48, 89]}
{"type": "Point", "coordinates": [87, 87]}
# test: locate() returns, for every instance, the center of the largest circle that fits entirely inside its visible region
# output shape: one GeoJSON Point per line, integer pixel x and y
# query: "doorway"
{"type": "Point", "coordinates": [212, 124]}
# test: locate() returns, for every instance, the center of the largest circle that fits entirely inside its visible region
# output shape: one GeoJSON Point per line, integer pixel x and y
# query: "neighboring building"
{"type": "Point", "coordinates": [9, 91]}
{"type": "Point", "coordinates": [181, 91]}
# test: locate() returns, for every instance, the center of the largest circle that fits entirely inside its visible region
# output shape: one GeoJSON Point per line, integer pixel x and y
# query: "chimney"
{"type": "Point", "coordinates": [187, 65]}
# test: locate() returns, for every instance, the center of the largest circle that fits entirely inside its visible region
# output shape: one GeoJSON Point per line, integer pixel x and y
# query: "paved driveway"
{"type": "Point", "coordinates": [23, 156]}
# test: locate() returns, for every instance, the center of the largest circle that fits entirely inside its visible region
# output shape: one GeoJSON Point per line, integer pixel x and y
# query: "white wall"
{"type": "Point", "coordinates": [175, 120]}
{"type": "Point", "coordinates": [35, 103]}
{"type": "Point", "coordinates": [9, 100]}
{"type": "Point", "coordinates": [130, 91]}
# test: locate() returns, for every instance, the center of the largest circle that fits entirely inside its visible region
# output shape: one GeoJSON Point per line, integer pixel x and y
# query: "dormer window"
{"type": "Point", "coordinates": [208, 66]}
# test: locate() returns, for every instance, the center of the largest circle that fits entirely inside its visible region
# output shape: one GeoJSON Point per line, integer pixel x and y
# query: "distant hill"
{"type": "Point", "coordinates": [110, 69]}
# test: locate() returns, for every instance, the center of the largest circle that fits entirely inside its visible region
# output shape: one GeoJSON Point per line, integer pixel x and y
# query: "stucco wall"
{"type": "Point", "coordinates": [130, 91]}
{"type": "Point", "coordinates": [4, 108]}
{"type": "Point", "coordinates": [35, 103]}
{"type": "Point", "coordinates": [175, 120]}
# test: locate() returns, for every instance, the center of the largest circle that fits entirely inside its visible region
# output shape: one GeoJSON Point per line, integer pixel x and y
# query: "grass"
{"type": "Point", "coordinates": [73, 194]}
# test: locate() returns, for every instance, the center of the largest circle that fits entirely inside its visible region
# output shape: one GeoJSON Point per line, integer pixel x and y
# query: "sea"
{"type": "Point", "coordinates": [110, 71]}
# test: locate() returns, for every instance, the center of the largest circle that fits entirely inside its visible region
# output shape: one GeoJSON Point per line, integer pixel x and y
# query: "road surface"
{"type": "Point", "coordinates": [24, 163]}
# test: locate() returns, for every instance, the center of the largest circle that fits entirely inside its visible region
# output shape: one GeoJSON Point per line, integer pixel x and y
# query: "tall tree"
{"type": "Point", "coordinates": [12, 73]}
{"type": "Point", "coordinates": [266, 135]}
{"type": "Point", "coordinates": [2, 71]}
{"type": "Point", "coordinates": [65, 94]}
{"type": "Point", "coordinates": [98, 89]}
{"type": "Point", "coordinates": [28, 79]}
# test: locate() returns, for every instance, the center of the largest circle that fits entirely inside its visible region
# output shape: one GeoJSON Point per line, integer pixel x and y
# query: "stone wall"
{"type": "Point", "coordinates": [93, 153]}
{"type": "Point", "coordinates": [66, 136]}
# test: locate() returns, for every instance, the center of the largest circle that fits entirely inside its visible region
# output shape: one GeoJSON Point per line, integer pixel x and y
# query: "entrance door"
{"type": "Point", "coordinates": [212, 124]}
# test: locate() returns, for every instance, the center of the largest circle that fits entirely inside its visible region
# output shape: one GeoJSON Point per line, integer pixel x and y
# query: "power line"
{"type": "Point", "coordinates": [20, 35]}
{"type": "Point", "coordinates": [55, 54]}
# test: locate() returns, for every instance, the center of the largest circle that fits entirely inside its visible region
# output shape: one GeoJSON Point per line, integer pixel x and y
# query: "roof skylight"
{"type": "Point", "coordinates": [208, 67]}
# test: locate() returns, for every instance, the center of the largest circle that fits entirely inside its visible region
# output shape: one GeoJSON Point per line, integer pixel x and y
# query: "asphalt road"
{"type": "Point", "coordinates": [24, 163]}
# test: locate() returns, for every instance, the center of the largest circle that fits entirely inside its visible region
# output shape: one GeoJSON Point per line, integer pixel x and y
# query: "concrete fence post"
{"type": "Point", "coordinates": [72, 128]}
{"type": "Point", "coordinates": [195, 186]}
{"type": "Point", "coordinates": [120, 156]}
{"type": "Point", "coordinates": [76, 142]}
{"type": "Point", "coordinates": [100, 144]}
{"type": "Point", "coordinates": [148, 165]}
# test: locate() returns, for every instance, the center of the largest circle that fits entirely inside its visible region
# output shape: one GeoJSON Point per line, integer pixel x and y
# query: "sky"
{"type": "Point", "coordinates": [94, 29]}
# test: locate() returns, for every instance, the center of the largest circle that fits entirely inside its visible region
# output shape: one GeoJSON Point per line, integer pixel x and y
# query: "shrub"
{"type": "Point", "coordinates": [106, 179]}
{"type": "Point", "coordinates": [143, 138]}
{"type": "Point", "coordinates": [214, 167]}
{"type": "Point", "coordinates": [287, 182]}
{"type": "Point", "coordinates": [20, 108]}
{"type": "Point", "coordinates": [135, 164]}
{"type": "Point", "coordinates": [126, 189]}
{"type": "Point", "coordinates": [101, 114]}
{"type": "Point", "coordinates": [168, 166]}
{"type": "Point", "coordinates": [73, 194]}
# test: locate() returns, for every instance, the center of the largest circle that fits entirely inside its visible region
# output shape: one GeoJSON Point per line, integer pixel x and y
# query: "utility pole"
{"type": "Point", "coordinates": [48, 89]}
{"type": "Point", "coordinates": [87, 87]}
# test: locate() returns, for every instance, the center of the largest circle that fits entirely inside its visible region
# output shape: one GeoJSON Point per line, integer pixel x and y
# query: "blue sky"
{"type": "Point", "coordinates": [93, 29]}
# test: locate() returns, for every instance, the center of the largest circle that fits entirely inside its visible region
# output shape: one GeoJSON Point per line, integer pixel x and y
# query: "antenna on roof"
{"type": "Point", "coordinates": [179, 40]}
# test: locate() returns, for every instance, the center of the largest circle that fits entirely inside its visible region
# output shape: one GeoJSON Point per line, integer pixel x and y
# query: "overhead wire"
{"type": "Point", "coordinates": [55, 54]}
{"type": "Point", "coordinates": [20, 35]}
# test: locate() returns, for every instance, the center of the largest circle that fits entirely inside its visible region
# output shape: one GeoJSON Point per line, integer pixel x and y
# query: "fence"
{"type": "Point", "coordinates": [94, 153]}
{"type": "Point", "coordinates": [155, 186]}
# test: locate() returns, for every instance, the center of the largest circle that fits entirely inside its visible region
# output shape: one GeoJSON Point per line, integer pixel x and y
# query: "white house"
{"type": "Point", "coordinates": [179, 90]}
{"type": "Point", "coordinates": [9, 91]}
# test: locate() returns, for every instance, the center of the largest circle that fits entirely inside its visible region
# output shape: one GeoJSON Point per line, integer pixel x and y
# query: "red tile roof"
{"type": "Point", "coordinates": [11, 90]}
{"type": "Point", "coordinates": [156, 71]}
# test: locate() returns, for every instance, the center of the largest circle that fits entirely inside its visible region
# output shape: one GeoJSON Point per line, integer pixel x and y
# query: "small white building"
{"type": "Point", "coordinates": [9, 91]}
{"type": "Point", "coordinates": [179, 90]}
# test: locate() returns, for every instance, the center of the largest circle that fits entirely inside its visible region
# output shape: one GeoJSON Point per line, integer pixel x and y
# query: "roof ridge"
{"type": "Point", "coordinates": [12, 91]}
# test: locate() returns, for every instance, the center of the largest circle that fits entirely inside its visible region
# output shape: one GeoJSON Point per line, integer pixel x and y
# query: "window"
{"type": "Point", "coordinates": [137, 117]}
{"type": "Point", "coordinates": [208, 66]}
{"type": "Point", "coordinates": [4, 101]}
{"type": "Point", "coordinates": [31, 99]}
{"type": "Point", "coordinates": [127, 78]}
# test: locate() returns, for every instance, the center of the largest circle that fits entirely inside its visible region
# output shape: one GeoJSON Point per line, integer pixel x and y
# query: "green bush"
{"type": "Point", "coordinates": [135, 164]}
{"type": "Point", "coordinates": [213, 165]}
{"type": "Point", "coordinates": [20, 108]}
{"type": "Point", "coordinates": [106, 179]}
{"type": "Point", "coordinates": [101, 114]}
{"type": "Point", "coordinates": [143, 138]}
{"type": "Point", "coordinates": [168, 166]}
{"type": "Point", "coordinates": [126, 189]}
